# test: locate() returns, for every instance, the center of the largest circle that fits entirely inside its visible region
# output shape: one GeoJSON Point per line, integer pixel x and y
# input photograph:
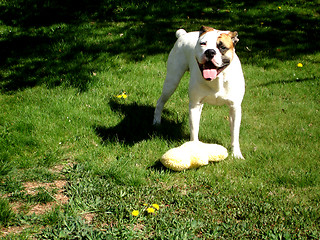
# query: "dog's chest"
{"type": "Point", "coordinates": [217, 92]}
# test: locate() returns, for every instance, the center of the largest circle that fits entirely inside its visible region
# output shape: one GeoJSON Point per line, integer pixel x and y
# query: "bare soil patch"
{"type": "Point", "coordinates": [32, 188]}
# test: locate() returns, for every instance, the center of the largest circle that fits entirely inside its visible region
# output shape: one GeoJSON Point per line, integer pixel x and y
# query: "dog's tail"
{"type": "Point", "coordinates": [180, 33]}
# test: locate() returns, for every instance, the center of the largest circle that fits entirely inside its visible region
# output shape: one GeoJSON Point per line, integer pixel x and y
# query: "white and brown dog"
{"type": "Point", "coordinates": [215, 77]}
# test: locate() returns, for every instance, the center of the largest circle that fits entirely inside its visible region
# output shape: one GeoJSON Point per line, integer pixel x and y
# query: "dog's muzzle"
{"type": "Point", "coordinates": [209, 70]}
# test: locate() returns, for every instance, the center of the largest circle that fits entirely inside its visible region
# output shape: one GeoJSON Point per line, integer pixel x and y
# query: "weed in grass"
{"type": "Point", "coordinates": [39, 195]}
{"type": "Point", "coordinates": [5, 164]}
{"type": "Point", "coordinates": [52, 217]}
{"type": "Point", "coordinates": [41, 174]}
{"type": "Point", "coordinates": [6, 213]}
{"type": "Point", "coordinates": [10, 184]}
{"type": "Point", "coordinates": [73, 228]}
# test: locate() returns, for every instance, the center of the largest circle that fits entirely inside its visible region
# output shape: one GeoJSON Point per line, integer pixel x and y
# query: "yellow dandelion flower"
{"type": "Point", "coordinates": [279, 7]}
{"type": "Point", "coordinates": [150, 210]}
{"type": "Point", "coordinates": [156, 206]}
{"type": "Point", "coordinates": [135, 213]}
{"type": "Point", "coordinates": [300, 65]}
{"type": "Point", "coordinates": [122, 95]}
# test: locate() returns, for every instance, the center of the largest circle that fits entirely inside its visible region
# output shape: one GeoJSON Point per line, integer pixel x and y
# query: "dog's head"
{"type": "Point", "coordinates": [214, 51]}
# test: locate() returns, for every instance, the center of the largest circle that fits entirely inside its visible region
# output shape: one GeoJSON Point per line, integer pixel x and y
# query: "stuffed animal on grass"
{"type": "Point", "coordinates": [193, 154]}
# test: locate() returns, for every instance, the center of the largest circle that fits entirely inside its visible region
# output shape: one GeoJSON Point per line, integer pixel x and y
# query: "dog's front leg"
{"type": "Point", "coordinates": [235, 121]}
{"type": "Point", "coordinates": [194, 120]}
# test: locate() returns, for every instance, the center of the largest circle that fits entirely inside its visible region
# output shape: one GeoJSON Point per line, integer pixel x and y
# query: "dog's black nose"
{"type": "Point", "coordinates": [210, 53]}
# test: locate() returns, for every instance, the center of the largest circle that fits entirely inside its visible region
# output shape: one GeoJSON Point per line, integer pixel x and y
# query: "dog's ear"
{"type": "Point", "coordinates": [234, 37]}
{"type": "Point", "coordinates": [205, 29]}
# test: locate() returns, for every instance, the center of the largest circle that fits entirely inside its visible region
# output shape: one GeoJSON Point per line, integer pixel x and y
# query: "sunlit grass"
{"type": "Point", "coordinates": [60, 104]}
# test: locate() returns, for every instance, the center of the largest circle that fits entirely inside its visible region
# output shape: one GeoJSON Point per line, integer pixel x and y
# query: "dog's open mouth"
{"type": "Point", "coordinates": [209, 70]}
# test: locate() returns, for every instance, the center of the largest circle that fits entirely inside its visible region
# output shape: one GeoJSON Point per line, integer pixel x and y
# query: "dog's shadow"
{"type": "Point", "coordinates": [137, 125]}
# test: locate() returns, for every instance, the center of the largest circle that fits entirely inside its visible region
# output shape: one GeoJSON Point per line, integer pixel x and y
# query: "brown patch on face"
{"type": "Point", "coordinates": [225, 40]}
{"type": "Point", "coordinates": [205, 29]}
{"type": "Point", "coordinates": [226, 46]}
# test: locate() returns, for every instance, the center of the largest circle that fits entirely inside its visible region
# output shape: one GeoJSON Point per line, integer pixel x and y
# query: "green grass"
{"type": "Point", "coordinates": [61, 68]}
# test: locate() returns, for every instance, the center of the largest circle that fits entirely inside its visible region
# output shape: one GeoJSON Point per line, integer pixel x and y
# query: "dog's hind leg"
{"type": "Point", "coordinates": [176, 67]}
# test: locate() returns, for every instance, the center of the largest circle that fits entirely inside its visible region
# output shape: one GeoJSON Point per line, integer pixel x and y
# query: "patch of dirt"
{"type": "Point", "coordinates": [32, 188]}
{"type": "Point", "coordinates": [138, 227]}
{"type": "Point", "coordinates": [60, 198]}
{"type": "Point", "coordinates": [13, 229]}
{"type": "Point", "coordinates": [88, 217]}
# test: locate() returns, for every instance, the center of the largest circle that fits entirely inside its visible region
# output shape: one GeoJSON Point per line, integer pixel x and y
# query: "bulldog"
{"type": "Point", "coordinates": [216, 77]}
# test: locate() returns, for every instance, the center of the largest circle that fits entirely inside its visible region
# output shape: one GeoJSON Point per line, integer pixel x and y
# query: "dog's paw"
{"type": "Point", "coordinates": [237, 155]}
{"type": "Point", "coordinates": [156, 122]}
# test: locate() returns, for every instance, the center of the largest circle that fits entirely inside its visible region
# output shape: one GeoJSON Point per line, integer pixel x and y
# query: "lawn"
{"type": "Point", "coordinates": [79, 157]}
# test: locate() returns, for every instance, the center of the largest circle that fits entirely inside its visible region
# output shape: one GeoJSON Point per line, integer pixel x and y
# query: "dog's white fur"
{"type": "Point", "coordinates": [227, 88]}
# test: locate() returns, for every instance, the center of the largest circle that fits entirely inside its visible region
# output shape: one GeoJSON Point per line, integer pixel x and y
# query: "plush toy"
{"type": "Point", "coordinates": [193, 154]}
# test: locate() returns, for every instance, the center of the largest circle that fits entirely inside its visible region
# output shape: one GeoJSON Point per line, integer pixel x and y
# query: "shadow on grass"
{"type": "Point", "coordinates": [297, 80]}
{"type": "Point", "coordinates": [159, 167]}
{"type": "Point", "coordinates": [46, 43]}
{"type": "Point", "coordinates": [137, 126]}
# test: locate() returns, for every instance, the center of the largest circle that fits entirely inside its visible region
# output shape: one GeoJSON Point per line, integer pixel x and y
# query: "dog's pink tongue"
{"type": "Point", "coordinates": [210, 73]}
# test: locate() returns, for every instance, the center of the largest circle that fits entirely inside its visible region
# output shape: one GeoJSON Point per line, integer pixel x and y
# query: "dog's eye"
{"type": "Point", "coordinates": [223, 49]}
{"type": "Point", "coordinates": [203, 43]}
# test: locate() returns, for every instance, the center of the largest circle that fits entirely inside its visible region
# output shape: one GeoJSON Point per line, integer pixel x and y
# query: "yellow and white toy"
{"type": "Point", "coordinates": [193, 154]}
